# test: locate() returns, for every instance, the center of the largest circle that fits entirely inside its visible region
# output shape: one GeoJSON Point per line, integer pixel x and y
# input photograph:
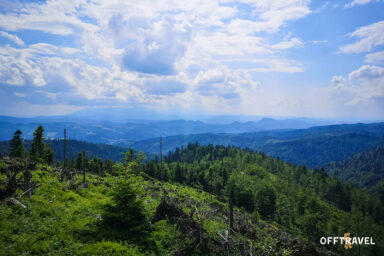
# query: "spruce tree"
{"type": "Point", "coordinates": [38, 146]}
{"type": "Point", "coordinates": [125, 217]}
{"type": "Point", "coordinates": [16, 147]}
{"type": "Point", "coordinates": [39, 151]}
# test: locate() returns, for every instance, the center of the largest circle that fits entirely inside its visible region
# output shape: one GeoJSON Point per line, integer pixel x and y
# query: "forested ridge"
{"type": "Point", "coordinates": [102, 151]}
{"type": "Point", "coordinates": [364, 170]}
{"type": "Point", "coordinates": [310, 147]}
{"type": "Point", "coordinates": [197, 200]}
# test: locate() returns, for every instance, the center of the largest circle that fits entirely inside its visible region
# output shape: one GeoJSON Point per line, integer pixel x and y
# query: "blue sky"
{"type": "Point", "coordinates": [286, 58]}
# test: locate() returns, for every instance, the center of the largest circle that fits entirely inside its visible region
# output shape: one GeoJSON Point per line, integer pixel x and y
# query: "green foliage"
{"type": "Point", "coordinates": [302, 201]}
{"type": "Point", "coordinates": [49, 156]}
{"type": "Point", "coordinates": [40, 152]}
{"type": "Point", "coordinates": [16, 147]}
{"type": "Point", "coordinates": [110, 248]}
{"type": "Point", "coordinates": [364, 170]}
{"type": "Point", "coordinates": [266, 202]}
{"type": "Point", "coordinates": [243, 191]}
{"type": "Point", "coordinates": [111, 213]}
{"type": "Point", "coordinates": [38, 145]}
{"type": "Point", "coordinates": [167, 238]}
{"type": "Point", "coordinates": [125, 217]}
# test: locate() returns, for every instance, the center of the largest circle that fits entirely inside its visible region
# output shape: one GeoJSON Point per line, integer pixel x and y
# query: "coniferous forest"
{"type": "Point", "coordinates": [196, 200]}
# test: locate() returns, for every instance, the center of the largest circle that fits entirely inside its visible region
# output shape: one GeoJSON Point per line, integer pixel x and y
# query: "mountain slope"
{"type": "Point", "coordinates": [364, 170]}
{"type": "Point", "coordinates": [307, 203]}
{"type": "Point", "coordinates": [68, 218]}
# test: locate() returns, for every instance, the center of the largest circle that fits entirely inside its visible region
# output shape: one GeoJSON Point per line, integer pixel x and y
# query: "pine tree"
{"type": "Point", "coordinates": [16, 147]}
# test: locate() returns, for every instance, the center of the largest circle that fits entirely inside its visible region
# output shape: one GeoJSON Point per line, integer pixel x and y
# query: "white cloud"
{"type": "Point", "coordinates": [13, 38]}
{"type": "Point", "coordinates": [338, 81]}
{"type": "Point", "coordinates": [319, 41]}
{"type": "Point", "coordinates": [159, 53]}
{"type": "Point", "coordinates": [30, 110]}
{"type": "Point", "coordinates": [367, 73]}
{"type": "Point", "coordinates": [157, 49]}
{"type": "Point", "coordinates": [291, 43]}
{"type": "Point", "coordinates": [233, 45]}
{"type": "Point", "coordinates": [55, 17]}
{"type": "Point", "coordinates": [377, 57]}
{"type": "Point", "coordinates": [270, 16]}
{"type": "Point", "coordinates": [358, 2]}
{"type": "Point", "coordinates": [363, 86]}
{"type": "Point", "coordinates": [277, 65]}
{"type": "Point", "coordinates": [370, 36]}
{"type": "Point", "coordinates": [15, 71]}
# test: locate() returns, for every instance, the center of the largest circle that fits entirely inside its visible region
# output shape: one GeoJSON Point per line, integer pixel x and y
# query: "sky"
{"type": "Point", "coordinates": [286, 58]}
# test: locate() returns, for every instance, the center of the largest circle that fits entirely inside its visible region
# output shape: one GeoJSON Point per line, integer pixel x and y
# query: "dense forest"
{"type": "Point", "coordinates": [92, 150]}
{"type": "Point", "coordinates": [310, 147]}
{"type": "Point", "coordinates": [364, 170]}
{"type": "Point", "coordinates": [197, 200]}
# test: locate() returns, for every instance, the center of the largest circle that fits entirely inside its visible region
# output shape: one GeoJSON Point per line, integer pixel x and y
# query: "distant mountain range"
{"type": "Point", "coordinates": [312, 147]}
{"type": "Point", "coordinates": [124, 133]}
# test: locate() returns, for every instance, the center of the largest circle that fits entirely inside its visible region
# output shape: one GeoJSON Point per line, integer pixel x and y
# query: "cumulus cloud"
{"type": "Point", "coordinates": [149, 52]}
{"type": "Point", "coordinates": [364, 85]}
{"type": "Point", "coordinates": [370, 36]}
{"type": "Point", "coordinates": [338, 81]}
{"type": "Point", "coordinates": [15, 71]}
{"type": "Point", "coordinates": [158, 49]}
{"type": "Point", "coordinates": [367, 73]}
{"type": "Point", "coordinates": [360, 94]}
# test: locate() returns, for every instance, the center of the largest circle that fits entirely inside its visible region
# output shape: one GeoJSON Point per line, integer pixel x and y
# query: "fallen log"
{"type": "Point", "coordinates": [14, 201]}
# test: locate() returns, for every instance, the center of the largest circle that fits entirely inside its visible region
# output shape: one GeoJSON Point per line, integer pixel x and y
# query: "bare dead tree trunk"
{"type": "Point", "coordinates": [84, 181]}
{"type": "Point", "coordinates": [231, 195]}
{"type": "Point", "coordinates": [27, 182]}
{"type": "Point", "coordinates": [65, 149]}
